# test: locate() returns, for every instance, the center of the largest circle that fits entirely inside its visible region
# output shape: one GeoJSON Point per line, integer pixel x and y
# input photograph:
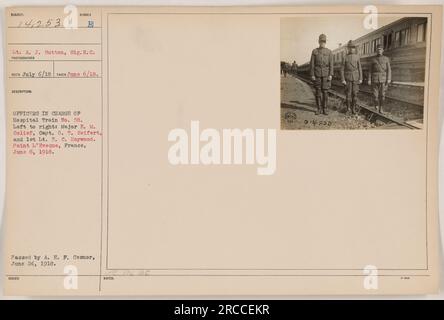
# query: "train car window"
{"type": "Point", "coordinates": [421, 32]}
{"type": "Point", "coordinates": [404, 37]}
{"type": "Point", "coordinates": [397, 39]}
{"type": "Point", "coordinates": [389, 40]}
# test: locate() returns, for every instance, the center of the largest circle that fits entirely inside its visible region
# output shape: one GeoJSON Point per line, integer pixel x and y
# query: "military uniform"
{"type": "Point", "coordinates": [321, 67]}
{"type": "Point", "coordinates": [381, 75]}
{"type": "Point", "coordinates": [351, 74]}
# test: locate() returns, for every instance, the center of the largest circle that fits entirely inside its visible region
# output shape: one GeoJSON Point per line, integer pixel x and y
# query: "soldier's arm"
{"type": "Point", "coordinates": [342, 70]}
{"type": "Point", "coordinates": [312, 64]}
{"type": "Point", "coordinates": [360, 69]}
{"type": "Point", "coordinates": [331, 64]}
{"type": "Point", "coordinates": [370, 72]}
{"type": "Point", "coordinates": [389, 71]}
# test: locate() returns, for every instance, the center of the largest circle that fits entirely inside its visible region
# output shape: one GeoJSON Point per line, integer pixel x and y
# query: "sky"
{"type": "Point", "coordinates": [299, 35]}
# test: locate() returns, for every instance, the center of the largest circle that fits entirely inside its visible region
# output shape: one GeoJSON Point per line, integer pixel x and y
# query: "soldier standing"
{"type": "Point", "coordinates": [351, 76]}
{"type": "Point", "coordinates": [380, 77]}
{"type": "Point", "coordinates": [321, 71]}
{"type": "Point", "coordinates": [294, 68]}
{"type": "Point", "coordinates": [284, 68]}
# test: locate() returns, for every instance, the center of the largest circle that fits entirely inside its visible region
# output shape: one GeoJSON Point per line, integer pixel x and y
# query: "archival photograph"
{"type": "Point", "coordinates": [346, 72]}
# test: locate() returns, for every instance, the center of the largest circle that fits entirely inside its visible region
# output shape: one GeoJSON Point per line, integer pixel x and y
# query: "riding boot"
{"type": "Point", "coordinates": [325, 104]}
{"type": "Point", "coordinates": [353, 107]}
{"type": "Point", "coordinates": [318, 105]}
{"type": "Point", "coordinates": [348, 107]}
{"type": "Point", "coordinates": [381, 102]}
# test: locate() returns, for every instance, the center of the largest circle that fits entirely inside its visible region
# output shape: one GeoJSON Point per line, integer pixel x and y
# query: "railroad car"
{"type": "Point", "coordinates": [404, 42]}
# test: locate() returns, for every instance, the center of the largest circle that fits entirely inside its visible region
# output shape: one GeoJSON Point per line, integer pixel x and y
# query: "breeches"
{"type": "Point", "coordinates": [351, 90]}
{"type": "Point", "coordinates": [379, 90]}
{"type": "Point", "coordinates": [322, 85]}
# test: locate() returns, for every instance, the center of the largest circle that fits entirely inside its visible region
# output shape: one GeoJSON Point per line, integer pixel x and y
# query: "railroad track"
{"type": "Point", "coordinates": [369, 93]}
{"type": "Point", "coordinates": [370, 112]}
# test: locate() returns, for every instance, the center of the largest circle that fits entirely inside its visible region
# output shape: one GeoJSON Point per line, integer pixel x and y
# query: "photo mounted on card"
{"type": "Point", "coordinates": [344, 71]}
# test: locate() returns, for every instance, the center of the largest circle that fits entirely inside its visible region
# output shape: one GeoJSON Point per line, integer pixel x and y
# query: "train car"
{"type": "Point", "coordinates": [404, 42]}
{"type": "Point", "coordinates": [304, 69]}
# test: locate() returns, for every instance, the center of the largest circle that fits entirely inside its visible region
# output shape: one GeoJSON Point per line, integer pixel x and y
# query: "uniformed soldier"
{"type": "Point", "coordinates": [380, 77]}
{"type": "Point", "coordinates": [294, 68]}
{"type": "Point", "coordinates": [284, 68]}
{"type": "Point", "coordinates": [351, 76]}
{"type": "Point", "coordinates": [321, 70]}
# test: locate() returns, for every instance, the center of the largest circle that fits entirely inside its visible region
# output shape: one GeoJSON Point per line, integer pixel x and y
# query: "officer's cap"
{"type": "Point", "coordinates": [323, 37]}
{"type": "Point", "coordinates": [350, 44]}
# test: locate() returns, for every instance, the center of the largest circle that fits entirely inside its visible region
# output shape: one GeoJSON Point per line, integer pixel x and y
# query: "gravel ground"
{"type": "Point", "coordinates": [400, 111]}
{"type": "Point", "coordinates": [298, 108]}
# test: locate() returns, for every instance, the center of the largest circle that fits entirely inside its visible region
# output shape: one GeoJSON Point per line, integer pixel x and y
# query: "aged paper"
{"type": "Point", "coordinates": [171, 151]}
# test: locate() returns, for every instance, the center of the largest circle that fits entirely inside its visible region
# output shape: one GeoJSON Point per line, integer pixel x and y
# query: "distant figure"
{"type": "Point", "coordinates": [351, 76]}
{"type": "Point", "coordinates": [284, 68]}
{"type": "Point", "coordinates": [294, 68]}
{"type": "Point", "coordinates": [321, 71]}
{"type": "Point", "coordinates": [380, 77]}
